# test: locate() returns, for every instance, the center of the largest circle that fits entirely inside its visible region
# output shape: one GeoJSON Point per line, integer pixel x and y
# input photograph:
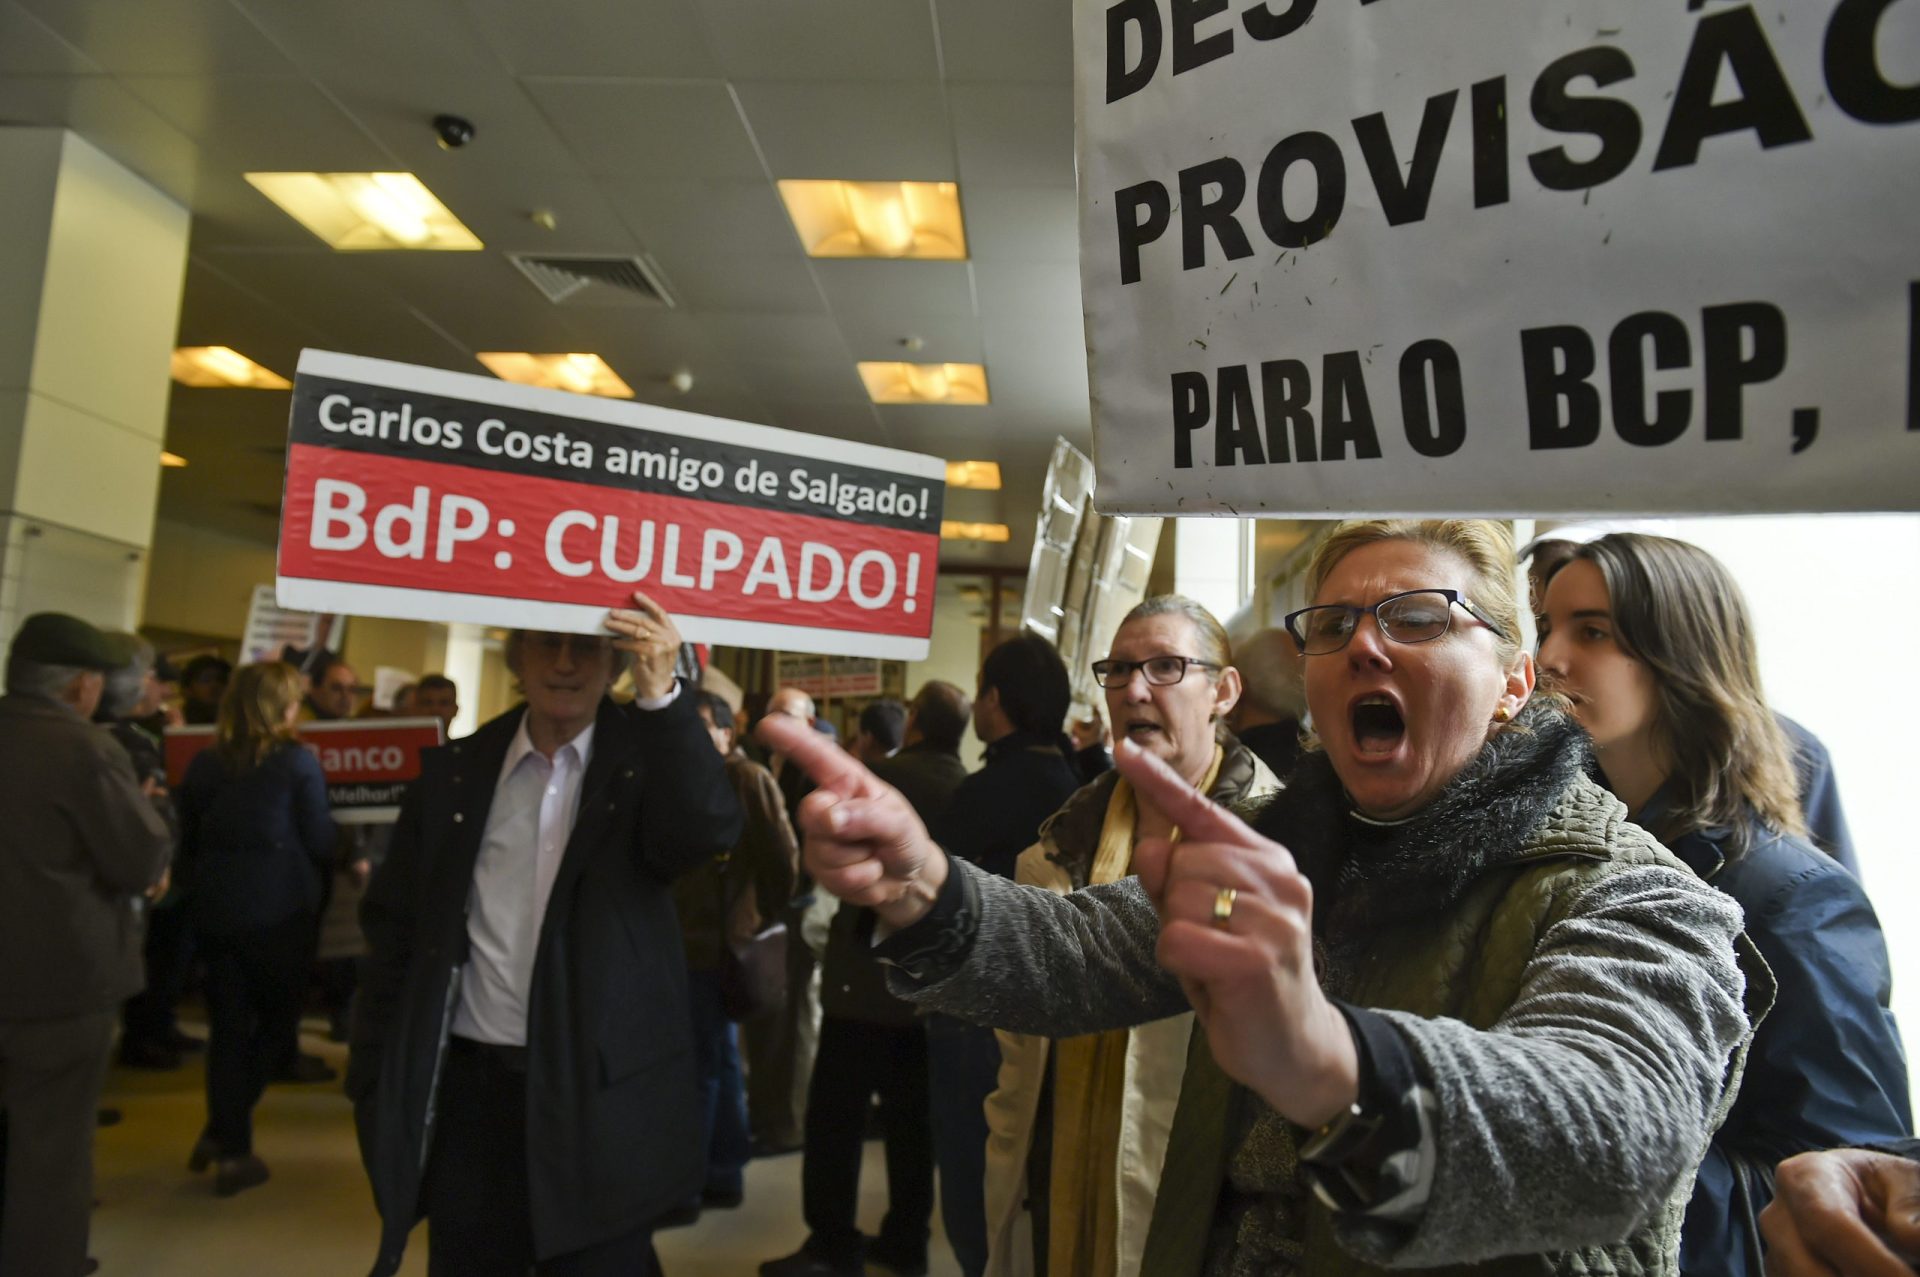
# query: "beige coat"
{"type": "Point", "coordinates": [1155, 1067]}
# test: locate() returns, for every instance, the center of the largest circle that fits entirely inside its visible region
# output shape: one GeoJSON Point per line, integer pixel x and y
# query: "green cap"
{"type": "Point", "coordinates": [54, 638]}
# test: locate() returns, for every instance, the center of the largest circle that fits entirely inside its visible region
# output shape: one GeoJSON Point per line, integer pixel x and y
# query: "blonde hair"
{"type": "Point", "coordinates": [1214, 646]}
{"type": "Point", "coordinates": [1678, 611]}
{"type": "Point", "coordinates": [1485, 545]}
{"type": "Point", "coordinates": [253, 713]}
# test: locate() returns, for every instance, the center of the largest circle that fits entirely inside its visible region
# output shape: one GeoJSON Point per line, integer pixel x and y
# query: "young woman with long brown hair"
{"type": "Point", "coordinates": [1650, 640]}
{"type": "Point", "coordinates": [256, 837]}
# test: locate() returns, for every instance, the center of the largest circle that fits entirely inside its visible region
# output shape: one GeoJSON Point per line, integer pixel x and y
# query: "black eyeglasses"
{"type": "Point", "coordinates": [1161, 671]}
{"type": "Point", "coordinates": [1416, 616]}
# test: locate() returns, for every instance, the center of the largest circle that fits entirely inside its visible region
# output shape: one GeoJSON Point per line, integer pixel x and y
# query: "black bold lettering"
{"type": "Point", "coordinates": [1557, 362]}
{"type": "Point", "coordinates": [1262, 23]}
{"type": "Point", "coordinates": [1286, 393]}
{"type": "Point", "coordinates": [1236, 435]}
{"type": "Point", "coordinates": [1672, 348]}
{"type": "Point", "coordinates": [1490, 178]}
{"type": "Point", "coordinates": [1609, 119]}
{"type": "Point", "coordinates": [1137, 231]}
{"type": "Point", "coordinates": [1765, 104]}
{"type": "Point", "coordinates": [1435, 427]}
{"type": "Point", "coordinates": [1123, 80]}
{"type": "Point", "coordinates": [1198, 215]}
{"type": "Point", "coordinates": [1850, 59]}
{"type": "Point", "coordinates": [1913, 356]}
{"type": "Point", "coordinates": [1330, 179]}
{"type": "Point", "coordinates": [1346, 416]}
{"type": "Point", "coordinates": [1188, 52]}
{"type": "Point", "coordinates": [1190, 412]}
{"type": "Point", "coordinates": [1406, 201]}
{"type": "Point", "coordinates": [1730, 366]}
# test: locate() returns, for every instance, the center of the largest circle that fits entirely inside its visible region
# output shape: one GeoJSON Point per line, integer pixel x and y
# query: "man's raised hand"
{"type": "Point", "coordinates": [863, 841]}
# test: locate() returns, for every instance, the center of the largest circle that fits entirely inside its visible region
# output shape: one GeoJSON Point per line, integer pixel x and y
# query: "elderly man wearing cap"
{"type": "Point", "coordinates": [82, 843]}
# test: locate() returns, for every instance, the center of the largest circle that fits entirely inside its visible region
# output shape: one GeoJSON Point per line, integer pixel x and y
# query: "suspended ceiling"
{"type": "Point", "coordinates": [642, 126]}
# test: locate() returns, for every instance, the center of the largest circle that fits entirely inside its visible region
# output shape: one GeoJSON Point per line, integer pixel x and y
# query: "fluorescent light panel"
{"type": "Point", "coordinates": [223, 366]}
{"type": "Point", "coordinates": [877, 219]}
{"type": "Point", "coordinates": [172, 461]}
{"type": "Point", "coordinates": [984, 475]}
{"type": "Point", "coordinates": [365, 212]}
{"type": "Point", "coordinates": [953, 530]}
{"type": "Point", "coordinates": [583, 374]}
{"type": "Point", "coordinates": [925, 383]}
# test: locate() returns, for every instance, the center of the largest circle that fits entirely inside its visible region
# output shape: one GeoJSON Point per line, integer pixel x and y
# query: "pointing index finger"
{"type": "Point", "coordinates": [1200, 818]}
{"type": "Point", "coordinates": [831, 767]}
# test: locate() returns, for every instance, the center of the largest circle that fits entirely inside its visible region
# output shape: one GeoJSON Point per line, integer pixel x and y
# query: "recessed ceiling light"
{"type": "Point", "coordinates": [877, 219]}
{"type": "Point", "coordinates": [223, 366]}
{"type": "Point", "coordinates": [172, 460]}
{"type": "Point", "coordinates": [582, 374]}
{"type": "Point", "coordinates": [361, 212]}
{"type": "Point", "coordinates": [951, 530]}
{"type": "Point", "coordinates": [984, 475]}
{"type": "Point", "coordinates": [925, 383]}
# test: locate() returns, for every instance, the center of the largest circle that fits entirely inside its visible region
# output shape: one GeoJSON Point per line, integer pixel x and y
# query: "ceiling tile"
{"type": "Point", "coordinates": [733, 281]}
{"type": "Point", "coordinates": [650, 128]}
{"type": "Point", "coordinates": [29, 47]}
{"type": "Point", "coordinates": [590, 37]}
{"type": "Point", "coordinates": [229, 213]}
{"type": "Point", "coordinates": [351, 40]}
{"type": "Point", "coordinates": [822, 39]}
{"type": "Point", "coordinates": [1031, 292]}
{"type": "Point", "coordinates": [945, 338]}
{"type": "Point", "coordinates": [261, 123]}
{"type": "Point", "coordinates": [162, 37]}
{"type": "Point", "coordinates": [699, 218]}
{"type": "Point", "coordinates": [1022, 223]}
{"type": "Point", "coordinates": [1000, 40]}
{"type": "Point", "coordinates": [1013, 135]}
{"type": "Point", "coordinates": [749, 337]}
{"type": "Point", "coordinates": [807, 381]}
{"type": "Point", "coordinates": [858, 132]}
{"type": "Point", "coordinates": [218, 312]}
{"type": "Point", "coordinates": [102, 111]}
{"type": "Point", "coordinates": [857, 422]}
{"type": "Point", "coordinates": [899, 292]}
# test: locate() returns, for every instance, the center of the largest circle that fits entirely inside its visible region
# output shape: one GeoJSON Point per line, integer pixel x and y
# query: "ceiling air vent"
{"type": "Point", "coordinates": [594, 281]}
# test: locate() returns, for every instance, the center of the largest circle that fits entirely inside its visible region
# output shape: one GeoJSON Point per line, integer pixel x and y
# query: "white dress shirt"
{"type": "Point", "coordinates": [534, 805]}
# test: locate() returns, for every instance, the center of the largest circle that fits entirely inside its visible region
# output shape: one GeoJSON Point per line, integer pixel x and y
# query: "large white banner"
{"type": "Point", "coordinates": [1397, 256]}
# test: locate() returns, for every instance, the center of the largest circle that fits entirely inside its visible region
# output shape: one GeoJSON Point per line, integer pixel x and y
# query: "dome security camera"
{"type": "Point", "coordinates": [453, 131]}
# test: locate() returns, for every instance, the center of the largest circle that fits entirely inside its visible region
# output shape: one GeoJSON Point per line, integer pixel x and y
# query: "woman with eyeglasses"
{"type": "Point", "coordinates": [1650, 639]}
{"type": "Point", "coordinates": [1077, 1128]}
{"type": "Point", "coordinates": [1456, 1009]}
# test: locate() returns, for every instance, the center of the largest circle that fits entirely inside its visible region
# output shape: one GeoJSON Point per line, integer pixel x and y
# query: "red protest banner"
{"type": "Point", "coordinates": [368, 762]}
{"type": "Point", "coordinates": [418, 493]}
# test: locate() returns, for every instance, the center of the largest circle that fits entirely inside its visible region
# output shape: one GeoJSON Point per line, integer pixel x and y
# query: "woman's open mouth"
{"type": "Point", "coordinates": [1378, 726]}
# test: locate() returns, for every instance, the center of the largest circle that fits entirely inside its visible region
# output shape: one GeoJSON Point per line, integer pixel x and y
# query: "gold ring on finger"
{"type": "Point", "coordinates": [1223, 906]}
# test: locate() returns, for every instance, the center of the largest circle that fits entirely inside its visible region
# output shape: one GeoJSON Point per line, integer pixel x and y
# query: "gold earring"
{"type": "Point", "coordinates": [1502, 714]}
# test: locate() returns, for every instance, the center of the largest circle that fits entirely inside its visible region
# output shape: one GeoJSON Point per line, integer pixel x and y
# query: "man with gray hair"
{"type": "Point", "coordinates": [82, 844]}
{"type": "Point", "coordinates": [1267, 719]}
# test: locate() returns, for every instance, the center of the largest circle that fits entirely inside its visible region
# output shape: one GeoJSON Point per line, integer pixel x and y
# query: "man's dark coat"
{"type": "Point", "coordinates": [615, 1133]}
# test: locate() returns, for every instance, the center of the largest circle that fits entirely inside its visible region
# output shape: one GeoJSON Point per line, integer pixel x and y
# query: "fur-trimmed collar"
{"type": "Point", "coordinates": [1370, 873]}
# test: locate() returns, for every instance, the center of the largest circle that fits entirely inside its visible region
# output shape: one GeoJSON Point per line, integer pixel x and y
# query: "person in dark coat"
{"type": "Point", "coordinates": [995, 815]}
{"type": "Point", "coordinates": [256, 841]}
{"type": "Point", "coordinates": [1272, 701]}
{"type": "Point", "coordinates": [523, 1068]}
{"type": "Point", "coordinates": [1820, 794]}
{"type": "Point", "coordinates": [82, 844]}
{"type": "Point", "coordinates": [872, 1043]}
{"type": "Point", "coordinates": [1650, 639]}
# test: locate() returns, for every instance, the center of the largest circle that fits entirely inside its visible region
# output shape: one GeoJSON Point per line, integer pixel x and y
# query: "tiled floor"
{"type": "Point", "coordinates": [315, 1218]}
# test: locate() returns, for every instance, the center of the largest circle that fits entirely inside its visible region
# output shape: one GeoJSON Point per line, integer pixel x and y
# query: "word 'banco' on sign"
{"type": "Point", "coordinates": [355, 759]}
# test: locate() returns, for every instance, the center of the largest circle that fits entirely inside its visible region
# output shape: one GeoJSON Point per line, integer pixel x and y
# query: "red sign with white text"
{"type": "Point", "coordinates": [368, 762]}
{"type": "Point", "coordinates": [419, 493]}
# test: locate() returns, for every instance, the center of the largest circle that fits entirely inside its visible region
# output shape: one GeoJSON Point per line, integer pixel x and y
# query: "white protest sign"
{"type": "Point", "coordinates": [413, 492]}
{"type": "Point", "coordinates": [1348, 256]}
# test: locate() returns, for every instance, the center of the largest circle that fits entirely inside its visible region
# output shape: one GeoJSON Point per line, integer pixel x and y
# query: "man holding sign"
{"type": "Point", "coordinates": [541, 1114]}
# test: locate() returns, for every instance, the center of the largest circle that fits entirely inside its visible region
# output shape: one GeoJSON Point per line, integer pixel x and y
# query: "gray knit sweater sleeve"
{"type": "Point", "coordinates": [1572, 1119]}
{"type": "Point", "coordinates": [1047, 964]}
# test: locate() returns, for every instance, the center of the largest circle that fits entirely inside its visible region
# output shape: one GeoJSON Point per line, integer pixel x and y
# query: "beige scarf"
{"type": "Point", "coordinates": [1089, 1090]}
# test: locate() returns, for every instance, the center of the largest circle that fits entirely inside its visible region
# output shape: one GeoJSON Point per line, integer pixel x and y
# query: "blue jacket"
{"type": "Point", "coordinates": [1826, 1066]}
{"type": "Point", "coordinates": [254, 846]}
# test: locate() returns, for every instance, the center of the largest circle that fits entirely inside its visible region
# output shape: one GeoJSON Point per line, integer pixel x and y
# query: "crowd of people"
{"type": "Point", "coordinates": [1383, 939]}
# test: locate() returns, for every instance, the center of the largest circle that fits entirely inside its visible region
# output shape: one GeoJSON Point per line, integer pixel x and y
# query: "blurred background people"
{"type": "Point", "coordinates": [1092, 745]}
{"type": "Point", "coordinates": [882, 730]}
{"type": "Point", "coordinates": [1267, 719]}
{"type": "Point", "coordinates": [730, 899]}
{"type": "Point", "coordinates": [203, 682]}
{"type": "Point", "coordinates": [402, 704]}
{"type": "Point", "coordinates": [1079, 1127]}
{"type": "Point", "coordinates": [257, 842]}
{"type": "Point", "coordinates": [1651, 641]}
{"type": "Point", "coordinates": [82, 844]}
{"type": "Point", "coordinates": [333, 691]}
{"type": "Point", "coordinates": [436, 696]}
